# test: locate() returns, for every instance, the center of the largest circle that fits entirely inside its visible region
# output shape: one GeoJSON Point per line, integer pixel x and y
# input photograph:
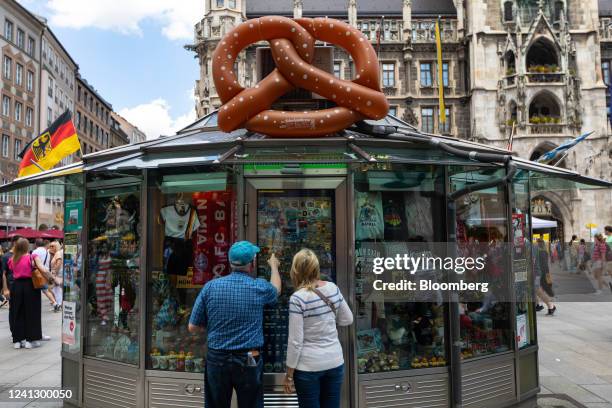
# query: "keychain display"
{"type": "Point", "coordinates": [288, 221]}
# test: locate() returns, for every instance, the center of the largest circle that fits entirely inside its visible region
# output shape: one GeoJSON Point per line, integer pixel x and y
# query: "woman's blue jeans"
{"type": "Point", "coordinates": [319, 389]}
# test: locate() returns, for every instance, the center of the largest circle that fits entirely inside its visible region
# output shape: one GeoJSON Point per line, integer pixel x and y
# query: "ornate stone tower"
{"type": "Point", "coordinates": [220, 16]}
{"type": "Point", "coordinates": [535, 72]}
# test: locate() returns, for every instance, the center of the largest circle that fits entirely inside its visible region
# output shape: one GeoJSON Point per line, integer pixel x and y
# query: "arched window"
{"type": "Point", "coordinates": [510, 61]}
{"type": "Point", "coordinates": [508, 14]}
{"type": "Point", "coordinates": [542, 56]}
{"type": "Point", "coordinates": [544, 109]}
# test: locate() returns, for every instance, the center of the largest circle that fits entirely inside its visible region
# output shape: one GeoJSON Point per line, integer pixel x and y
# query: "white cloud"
{"type": "Point", "coordinates": [177, 17]}
{"type": "Point", "coordinates": [154, 118]}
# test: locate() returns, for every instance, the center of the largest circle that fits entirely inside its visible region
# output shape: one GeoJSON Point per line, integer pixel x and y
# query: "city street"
{"type": "Point", "coordinates": [575, 355]}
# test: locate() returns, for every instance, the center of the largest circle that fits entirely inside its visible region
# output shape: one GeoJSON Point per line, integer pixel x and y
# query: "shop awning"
{"type": "Point", "coordinates": [538, 223]}
{"type": "Point", "coordinates": [203, 143]}
{"type": "Point", "coordinates": [31, 233]}
{"type": "Point", "coordinates": [546, 178]}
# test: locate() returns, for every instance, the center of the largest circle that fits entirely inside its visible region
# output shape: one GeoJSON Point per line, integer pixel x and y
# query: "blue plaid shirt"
{"type": "Point", "coordinates": [231, 308]}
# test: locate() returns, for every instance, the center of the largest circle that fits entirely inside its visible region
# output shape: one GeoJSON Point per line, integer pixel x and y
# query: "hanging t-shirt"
{"type": "Point", "coordinates": [369, 222]}
{"type": "Point", "coordinates": [395, 224]}
{"type": "Point", "coordinates": [175, 223]}
{"type": "Point", "coordinates": [419, 218]}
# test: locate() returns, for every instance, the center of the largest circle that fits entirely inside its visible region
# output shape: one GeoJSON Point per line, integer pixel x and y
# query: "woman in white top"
{"type": "Point", "coordinates": [315, 365]}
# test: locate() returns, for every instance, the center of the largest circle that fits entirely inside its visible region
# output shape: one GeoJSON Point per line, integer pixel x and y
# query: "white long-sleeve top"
{"type": "Point", "coordinates": [313, 337]}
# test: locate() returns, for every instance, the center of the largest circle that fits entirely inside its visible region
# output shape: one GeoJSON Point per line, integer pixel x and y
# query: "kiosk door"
{"type": "Point", "coordinates": [283, 216]}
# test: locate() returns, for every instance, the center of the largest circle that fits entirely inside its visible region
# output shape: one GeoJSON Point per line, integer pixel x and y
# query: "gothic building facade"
{"type": "Point", "coordinates": [535, 70]}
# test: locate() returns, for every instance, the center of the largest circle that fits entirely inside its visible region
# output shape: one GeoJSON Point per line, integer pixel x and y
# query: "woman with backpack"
{"type": "Point", "coordinates": [25, 299]}
{"type": "Point", "coordinates": [599, 257]}
{"type": "Point", "coordinates": [315, 364]}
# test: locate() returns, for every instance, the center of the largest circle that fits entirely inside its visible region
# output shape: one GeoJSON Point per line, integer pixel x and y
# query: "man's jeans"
{"type": "Point", "coordinates": [226, 371]}
{"type": "Point", "coordinates": [319, 389]}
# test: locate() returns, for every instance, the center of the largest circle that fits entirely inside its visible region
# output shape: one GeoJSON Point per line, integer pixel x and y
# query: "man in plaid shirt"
{"type": "Point", "coordinates": [231, 309]}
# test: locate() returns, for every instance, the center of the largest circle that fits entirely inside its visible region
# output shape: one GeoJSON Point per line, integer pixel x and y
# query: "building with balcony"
{"type": "Point", "coordinates": [537, 78]}
{"type": "Point", "coordinates": [532, 70]}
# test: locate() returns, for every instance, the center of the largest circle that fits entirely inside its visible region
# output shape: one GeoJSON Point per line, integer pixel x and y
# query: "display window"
{"type": "Point", "coordinates": [287, 221]}
{"type": "Point", "coordinates": [113, 274]}
{"type": "Point", "coordinates": [397, 208]}
{"type": "Point", "coordinates": [192, 226]}
{"type": "Point", "coordinates": [481, 230]}
{"type": "Point", "coordinates": [522, 262]}
{"type": "Point", "coordinates": [73, 263]}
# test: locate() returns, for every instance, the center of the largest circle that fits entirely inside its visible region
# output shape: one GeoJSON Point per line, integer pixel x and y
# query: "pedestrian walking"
{"type": "Point", "coordinates": [57, 272]}
{"type": "Point", "coordinates": [43, 253]}
{"type": "Point", "coordinates": [315, 364]}
{"type": "Point", "coordinates": [231, 308]}
{"type": "Point", "coordinates": [27, 328]}
{"type": "Point", "coordinates": [599, 258]}
{"type": "Point", "coordinates": [573, 254]}
{"type": "Point", "coordinates": [3, 299]}
{"type": "Point", "coordinates": [543, 279]}
{"type": "Point", "coordinates": [583, 255]}
{"type": "Point", "coordinates": [608, 233]}
{"type": "Point", "coordinates": [554, 252]}
{"type": "Point", "coordinates": [7, 279]}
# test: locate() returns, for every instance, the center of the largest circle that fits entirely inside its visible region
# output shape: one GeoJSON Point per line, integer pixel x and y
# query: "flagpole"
{"type": "Point", "coordinates": [36, 219]}
{"type": "Point", "coordinates": [37, 165]}
{"type": "Point", "coordinates": [441, 107]}
{"type": "Point", "coordinates": [511, 138]}
{"type": "Point", "coordinates": [561, 159]}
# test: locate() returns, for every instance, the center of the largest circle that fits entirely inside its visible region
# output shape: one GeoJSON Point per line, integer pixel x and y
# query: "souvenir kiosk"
{"type": "Point", "coordinates": [149, 224]}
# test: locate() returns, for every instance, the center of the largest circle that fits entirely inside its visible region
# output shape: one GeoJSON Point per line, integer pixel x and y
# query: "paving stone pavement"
{"type": "Point", "coordinates": [576, 352]}
{"type": "Point", "coordinates": [38, 367]}
{"type": "Point", "coordinates": [575, 358]}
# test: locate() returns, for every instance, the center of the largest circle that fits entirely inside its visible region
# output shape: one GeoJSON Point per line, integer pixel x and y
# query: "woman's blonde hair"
{"type": "Point", "coordinates": [599, 236]}
{"type": "Point", "coordinates": [305, 270]}
{"type": "Point", "coordinates": [22, 247]}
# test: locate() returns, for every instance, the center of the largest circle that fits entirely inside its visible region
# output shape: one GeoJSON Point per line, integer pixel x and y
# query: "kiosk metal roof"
{"type": "Point", "coordinates": [203, 143]}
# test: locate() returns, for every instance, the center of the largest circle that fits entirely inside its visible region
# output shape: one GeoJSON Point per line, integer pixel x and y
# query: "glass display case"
{"type": "Point", "coordinates": [73, 264]}
{"type": "Point", "coordinates": [398, 209]}
{"type": "Point", "coordinates": [522, 262]}
{"type": "Point", "coordinates": [481, 223]}
{"type": "Point", "coordinates": [193, 224]}
{"type": "Point", "coordinates": [287, 221]}
{"type": "Point", "coordinates": [113, 274]}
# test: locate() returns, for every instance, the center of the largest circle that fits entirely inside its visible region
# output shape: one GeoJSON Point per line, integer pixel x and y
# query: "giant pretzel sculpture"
{"type": "Point", "coordinates": [292, 44]}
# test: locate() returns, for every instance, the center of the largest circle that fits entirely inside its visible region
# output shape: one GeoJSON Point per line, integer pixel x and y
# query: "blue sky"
{"type": "Point", "coordinates": [132, 52]}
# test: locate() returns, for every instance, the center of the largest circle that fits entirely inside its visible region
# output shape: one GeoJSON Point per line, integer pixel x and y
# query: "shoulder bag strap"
{"type": "Point", "coordinates": [325, 299]}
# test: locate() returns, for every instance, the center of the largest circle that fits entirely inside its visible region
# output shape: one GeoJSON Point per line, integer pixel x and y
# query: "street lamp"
{"type": "Point", "coordinates": [8, 213]}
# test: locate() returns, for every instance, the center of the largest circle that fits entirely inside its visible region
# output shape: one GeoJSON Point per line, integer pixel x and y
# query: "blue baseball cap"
{"type": "Point", "coordinates": [242, 253]}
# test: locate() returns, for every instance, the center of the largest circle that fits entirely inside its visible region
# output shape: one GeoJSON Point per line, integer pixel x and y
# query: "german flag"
{"type": "Point", "coordinates": [55, 143]}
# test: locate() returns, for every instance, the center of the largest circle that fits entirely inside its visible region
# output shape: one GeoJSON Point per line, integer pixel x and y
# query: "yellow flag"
{"type": "Point", "coordinates": [442, 109]}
